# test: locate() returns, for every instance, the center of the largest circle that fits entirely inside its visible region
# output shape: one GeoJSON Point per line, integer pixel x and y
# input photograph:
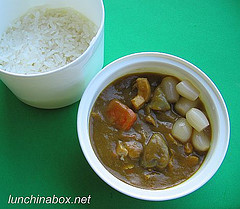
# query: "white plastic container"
{"type": "Point", "coordinates": [63, 86]}
{"type": "Point", "coordinates": [163, 64]}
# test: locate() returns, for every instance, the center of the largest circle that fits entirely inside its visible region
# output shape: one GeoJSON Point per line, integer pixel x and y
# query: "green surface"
{"type": "Point", "coordinates": [39, 149]}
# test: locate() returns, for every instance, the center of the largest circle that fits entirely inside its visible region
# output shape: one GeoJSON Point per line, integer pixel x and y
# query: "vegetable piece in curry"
{"type": "Point", "coordinates": [140, 132]}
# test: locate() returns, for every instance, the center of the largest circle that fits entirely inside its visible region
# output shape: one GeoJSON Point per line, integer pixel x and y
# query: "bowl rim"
{"type": "Point", "coordinates": [83, 56]}
{"type": "Point", "coordinates": [101, 171]}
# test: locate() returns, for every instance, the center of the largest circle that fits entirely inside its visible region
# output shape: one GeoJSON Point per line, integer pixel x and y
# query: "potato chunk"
{"type": "Point", "coordinates": [137, 102]}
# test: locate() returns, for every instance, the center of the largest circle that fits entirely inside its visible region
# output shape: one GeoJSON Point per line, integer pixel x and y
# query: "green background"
{"type": "Point", "coordinates": [39, 149]}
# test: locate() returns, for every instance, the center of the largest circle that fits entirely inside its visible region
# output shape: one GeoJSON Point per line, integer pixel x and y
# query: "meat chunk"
{"type": "Point", "coordinates": [144, 93]}
{"type": "Point", "coordinates": [134, 149]}
{"type": "Point", "coordinates": [159, 101]}
{"type": "Point", "coordinates": [156, 153]}
{"type": "Point", "coordinates": [121, 150]}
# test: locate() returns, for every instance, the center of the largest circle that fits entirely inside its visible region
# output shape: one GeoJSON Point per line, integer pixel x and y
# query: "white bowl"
{"type": "Point", "coordinates": [63, 86]}
{"type": "Point", "coordinates": [163, 64]}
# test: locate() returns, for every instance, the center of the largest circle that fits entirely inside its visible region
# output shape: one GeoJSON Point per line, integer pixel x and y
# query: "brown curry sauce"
{"type": "Point", "coordinates": [105, 138]}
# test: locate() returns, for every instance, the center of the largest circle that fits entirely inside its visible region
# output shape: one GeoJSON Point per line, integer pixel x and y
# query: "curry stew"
{"type": "Point", "coordinates": [149, 130]}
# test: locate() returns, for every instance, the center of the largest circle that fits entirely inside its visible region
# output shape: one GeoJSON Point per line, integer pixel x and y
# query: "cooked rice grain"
{"type": "Point", "coordinates": [45, 39]}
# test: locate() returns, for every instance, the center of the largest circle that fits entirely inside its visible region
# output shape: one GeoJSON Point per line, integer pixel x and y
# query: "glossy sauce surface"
{"type": "Point", "coordinates": [131, 168]}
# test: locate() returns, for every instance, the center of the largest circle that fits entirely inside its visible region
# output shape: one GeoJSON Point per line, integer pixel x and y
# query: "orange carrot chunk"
{"type": "Point", "coordinates": [120, 115]}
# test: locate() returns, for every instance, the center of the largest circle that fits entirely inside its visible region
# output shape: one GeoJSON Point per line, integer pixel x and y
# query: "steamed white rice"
{"type": "Point", "coordinates": [45, 39]}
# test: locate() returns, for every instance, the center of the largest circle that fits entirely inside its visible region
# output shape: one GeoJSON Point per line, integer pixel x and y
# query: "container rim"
{"type": "Point", "coordinates": [152, 195]}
